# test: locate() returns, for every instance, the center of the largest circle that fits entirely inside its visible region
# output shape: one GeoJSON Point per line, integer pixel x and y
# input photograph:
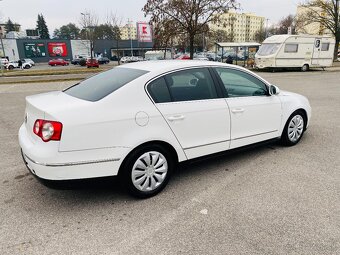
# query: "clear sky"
{"type": "Point", "coordinates": [60, 12]}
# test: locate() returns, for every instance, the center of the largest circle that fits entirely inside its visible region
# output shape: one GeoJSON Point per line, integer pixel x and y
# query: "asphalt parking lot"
{"type": "Point", "coordinates": [264, 200]}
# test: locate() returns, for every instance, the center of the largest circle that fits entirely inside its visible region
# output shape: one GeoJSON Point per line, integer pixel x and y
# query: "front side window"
{"type": "Point", "coordinates": [103, 84]}
{"type": "Point", "coordinates": [241, 84]}
{"type": "Point", "coordinates": [192, 84]}
{"type": "Point", "coordinates": [268, 49]}
{"type": "Point", "coordinates": [291, 48]}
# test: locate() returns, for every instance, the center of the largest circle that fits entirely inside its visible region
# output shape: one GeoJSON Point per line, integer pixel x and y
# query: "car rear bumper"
{"type": "Point", "coordinates": [72, 165]}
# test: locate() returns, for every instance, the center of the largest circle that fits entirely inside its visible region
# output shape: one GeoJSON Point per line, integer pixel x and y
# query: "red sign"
{"type": "Point", "coordinates": [144, 30]}
{"type": "Point", "coordinates": [57, 49]}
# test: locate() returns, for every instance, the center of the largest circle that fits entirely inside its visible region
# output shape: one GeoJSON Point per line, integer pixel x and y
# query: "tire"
{"type": "Point", "coordinates": [294, 129]}
{"type": "Point", "coordinates": [147, 170]}
{"type": "Point", "coordinates": [10, 67]}
{"type": "Point", "coordinates": [305, 68]}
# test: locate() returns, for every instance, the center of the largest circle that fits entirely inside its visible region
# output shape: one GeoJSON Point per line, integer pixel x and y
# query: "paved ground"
{"type": "Point", "coordinates": [267, 200]}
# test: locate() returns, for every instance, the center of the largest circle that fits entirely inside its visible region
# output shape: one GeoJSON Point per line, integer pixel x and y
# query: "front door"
{"type": "Point", "coordinates": [316, 51]}
{"type": "Point", "coordinates": [255, 116]}
{"type": "Point", "coordinates": [199, 119]}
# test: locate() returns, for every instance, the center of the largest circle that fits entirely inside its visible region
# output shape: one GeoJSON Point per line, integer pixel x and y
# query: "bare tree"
{"type": "Point", "coordinates": [89, 21]}
{"type": "Point", "coordinates": [190, 16]}
{"type": "Point", "coordinates": [114, 23]}
{"type": "Point", "coordinates": [327, 14]}
{"type": "Point", "coordinates": [286, 23]}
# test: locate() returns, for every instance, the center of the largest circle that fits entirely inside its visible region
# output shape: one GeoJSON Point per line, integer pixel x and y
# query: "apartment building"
{"type": "Point", "coordinates": [129, 31]}
{"type": "Point", "coordinates": [240, 27]}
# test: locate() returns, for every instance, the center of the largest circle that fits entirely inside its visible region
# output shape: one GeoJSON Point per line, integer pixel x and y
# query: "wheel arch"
{"type": "Point", "coordinates": [305, 116]}
{"type": "Point", "coordinates": [165, 145]}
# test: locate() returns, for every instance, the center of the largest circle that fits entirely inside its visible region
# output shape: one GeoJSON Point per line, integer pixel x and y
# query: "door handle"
{"type": "Point", "coordinates": [177, 117]}
{"type": "Point", "coordinates": [237, 110]}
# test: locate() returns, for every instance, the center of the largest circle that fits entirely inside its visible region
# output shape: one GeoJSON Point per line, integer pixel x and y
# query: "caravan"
{"type": "Point", "coordinates": [295, 51]}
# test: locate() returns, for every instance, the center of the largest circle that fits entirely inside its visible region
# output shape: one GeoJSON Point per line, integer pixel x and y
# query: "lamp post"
{"type": "Point", "coordinates": [3, 53]}
{"type": "Point", "coordinates": [130, 35]}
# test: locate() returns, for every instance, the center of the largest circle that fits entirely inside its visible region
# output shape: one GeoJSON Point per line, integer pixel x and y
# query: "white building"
{"type": "Point", "coordinates": [241, 27]}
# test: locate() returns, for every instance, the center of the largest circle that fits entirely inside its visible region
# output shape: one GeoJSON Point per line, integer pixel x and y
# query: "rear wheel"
{"type": "Point", "coordinates": [305, 68]}
{"type": "Point", "coordinates": [11, 67]}
{"type": "Point", "coordinates": [294, 129]}
{"type": "Point", "coordinates": [147, 171]}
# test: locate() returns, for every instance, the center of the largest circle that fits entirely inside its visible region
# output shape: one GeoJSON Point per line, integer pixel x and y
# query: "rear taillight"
{"type": "Point", "coordinates": [48, 130]}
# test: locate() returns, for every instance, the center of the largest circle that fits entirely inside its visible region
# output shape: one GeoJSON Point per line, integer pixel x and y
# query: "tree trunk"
{"type": "Point", "coordinates": [192, 38]}
{"type": "Point", "coordinates": [117, 44]}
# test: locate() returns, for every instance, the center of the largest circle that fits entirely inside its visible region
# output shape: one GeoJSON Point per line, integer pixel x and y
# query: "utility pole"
{"type": "Point", "coordinates": [267, 28]}
{"type": "Point", "coordinates": [3, 54]}
{"type": "Point", "coordinates": [130, 35]}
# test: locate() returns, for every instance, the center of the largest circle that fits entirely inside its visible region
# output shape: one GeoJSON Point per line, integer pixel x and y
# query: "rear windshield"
{"type": "Point", "coordinates": [103, 84]}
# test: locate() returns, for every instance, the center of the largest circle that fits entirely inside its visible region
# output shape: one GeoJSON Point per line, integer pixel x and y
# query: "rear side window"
{"type": "Point", "coordinates": [103, 84]}
{"type": "Point", "coordinates": [159, 91]}
{"type": "Point", "coordinates": [191, 84]}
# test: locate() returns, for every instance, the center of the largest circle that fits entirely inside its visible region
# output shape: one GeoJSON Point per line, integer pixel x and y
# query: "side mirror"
{"type": "Point", "coordinates": [273, 90]}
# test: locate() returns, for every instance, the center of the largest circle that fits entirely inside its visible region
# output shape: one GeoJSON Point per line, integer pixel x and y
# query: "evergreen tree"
{"type": "Point", "coordinates": [9, 26]}
{"type": "Point", "coordinates": [42, 27]}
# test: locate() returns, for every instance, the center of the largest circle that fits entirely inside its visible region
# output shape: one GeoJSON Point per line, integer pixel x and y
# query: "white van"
{"type": "Point", "coordinates": [295, 51]}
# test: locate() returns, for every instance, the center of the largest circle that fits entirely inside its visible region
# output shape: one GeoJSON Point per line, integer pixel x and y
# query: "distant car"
{"type": "Point", "coordinates": [183, 57]}
{"type": "Point", "coordinates": [103, 60]}
{"type": "Point", "coordinates": [15, 64]}
{"type": "Point", "coordinates": [76, 61]}
{"type": "Point", "coordinates": [58, 62]}
{"type": "Point", "coordinates": [92, 63]}
{"type": "Point", "coordinates": [28, 60]}
{"type": "Point", "coordinates": [3, 61]}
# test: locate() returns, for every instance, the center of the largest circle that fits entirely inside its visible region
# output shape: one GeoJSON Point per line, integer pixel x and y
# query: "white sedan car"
{"type": "Point", "coordinates": [139, 120]}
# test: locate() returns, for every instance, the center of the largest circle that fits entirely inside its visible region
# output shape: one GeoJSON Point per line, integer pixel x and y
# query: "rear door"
{"type": "Point", "coordinates": [197, 115]}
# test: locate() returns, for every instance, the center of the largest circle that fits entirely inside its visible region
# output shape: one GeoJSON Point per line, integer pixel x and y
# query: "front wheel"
{"type": "Point", "coordinates": [147, 171]}
{"type": "Point", "coordinates": [294, 129]}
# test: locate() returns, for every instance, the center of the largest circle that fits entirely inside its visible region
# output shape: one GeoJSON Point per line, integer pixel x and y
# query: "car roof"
{"type": "Point", "coordinates": [169, 65]}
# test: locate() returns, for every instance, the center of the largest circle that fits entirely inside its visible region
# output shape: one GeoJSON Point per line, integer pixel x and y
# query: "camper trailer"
{"type": "Point", "coordinates": [295, 51]}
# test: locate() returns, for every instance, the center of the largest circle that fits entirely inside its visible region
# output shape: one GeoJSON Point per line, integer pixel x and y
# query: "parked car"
{"type": "Point", "coordinates": [3, 61]}
{"type": "Point", "coordinates": [76, 61]}
{"type": "Point", "coordinates": [143, 118]}
{"type": "Point", "coordinates": [103, 60]}
{"type": "Point", "coordinates": [92, 63]}
{"type": "Point", "coordinates": [28, 60]}
{"type": "Point", "coordinates": [58, 62]}
{"type": "Point", "coordinates": [183, 57]}
{"type": "Point", "coordinates": [15, 64]}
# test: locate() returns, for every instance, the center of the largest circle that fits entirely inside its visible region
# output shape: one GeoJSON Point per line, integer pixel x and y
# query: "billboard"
{"type": "Point", "coordinates": [144, 31]}
{"type": "Point", "coordinates": [35, 50]}
{"type": "Point", "coordinates": [57, 49]}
